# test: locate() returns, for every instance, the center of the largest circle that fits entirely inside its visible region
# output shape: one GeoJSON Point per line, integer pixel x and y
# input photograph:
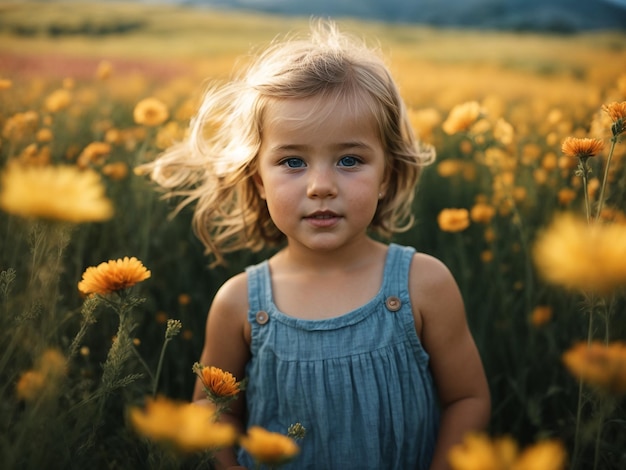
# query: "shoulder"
{"type": "Point", "coordinates": [434, 291]}
{"type": "Point", "coordinates": [231, 299]}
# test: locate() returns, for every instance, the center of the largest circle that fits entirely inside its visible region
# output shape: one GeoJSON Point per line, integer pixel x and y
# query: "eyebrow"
{"type": "Point", "coordinates": [340, 146]}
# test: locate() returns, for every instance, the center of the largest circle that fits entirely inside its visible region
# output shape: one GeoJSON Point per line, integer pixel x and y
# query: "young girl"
{"type": "Point", "coordinates": [363, 343]}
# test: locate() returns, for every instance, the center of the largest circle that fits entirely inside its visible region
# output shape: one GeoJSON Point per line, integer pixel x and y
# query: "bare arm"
{"type": "Point", "coordinates": [455, 363]}
{"type": "Point", "coordinates": [226, 346]}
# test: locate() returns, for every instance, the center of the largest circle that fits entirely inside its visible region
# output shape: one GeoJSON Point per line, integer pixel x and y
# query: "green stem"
{"type": "Point", "coordinates": [605, 178]}
{"type": "Point", "coordinates": [159, 366]}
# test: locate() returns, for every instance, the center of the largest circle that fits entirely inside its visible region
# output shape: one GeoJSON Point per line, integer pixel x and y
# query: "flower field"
{"type": "Point", "coordinates": [104, 294]}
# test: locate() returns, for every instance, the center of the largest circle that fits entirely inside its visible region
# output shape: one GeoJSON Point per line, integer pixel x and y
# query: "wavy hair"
{"type": "Point", "coordinates": [214, 167]}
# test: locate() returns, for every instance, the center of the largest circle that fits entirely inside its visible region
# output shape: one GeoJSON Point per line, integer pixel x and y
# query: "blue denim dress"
{"type": "Point", "coordinates": [359, 383]}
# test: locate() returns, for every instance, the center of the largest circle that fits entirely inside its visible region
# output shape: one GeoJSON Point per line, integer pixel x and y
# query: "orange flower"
{"type": "Point", "coordinates": [453, 220]}
{"type": "Point", "coordinates": [188, 427]}
{"type": "Point", "coordinates": [31, 385]}
{"type": "Point", "coordinates": [60, 193]}
{"type": "Point", "coordinates": [58, 100]}
{"type": "Point", "coordinates": [267, 447]}
{"type": "Point", "coordinates": [617, 112]}
{"type": "Point", "coordinates": [462, 117]}
{"type": "Point", "coordinates": [482, 213]}
{"type": "Point", "coordinates": [581, 148]}
{"type": "Point", "coordinates": [116, 170]}
{"type": "Point", "coordinates": [217, 382]}
{"type": "Point", "coordinates": [601, 365]}
{"type": "Point", "coordinates": [541, 315]}
{"type": "Point", "coordinates": [150, 112]}
{"type": "Point", "coordinates": [95, 152]}
{"type": "Point", "coordinates": [113, 276]}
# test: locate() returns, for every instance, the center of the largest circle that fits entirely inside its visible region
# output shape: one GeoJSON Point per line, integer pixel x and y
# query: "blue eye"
{"type": "Point", "coordinates": [293, 162]}
{"type": "Point", "coordinates": [349, 160]}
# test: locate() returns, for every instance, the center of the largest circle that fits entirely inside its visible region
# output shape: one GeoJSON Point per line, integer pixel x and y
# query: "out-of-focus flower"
{"type": "Point", "coordinates": [599, 364]}
{"type": "Point", "coordinates": [269, 448]}
{"type": "Point", "coordinates": [5, 83]}
{"type": "Point", "coordinates": [218, 384]}
{"type": "Point", "coordinates": [482, 213]}
{"type": "Point", "coordinates": [503, 132]}
{"type": "Point", "coordinates": [617, 112]}
{"type": "Point", "coordinates": [453, 220]}
{"type": "Point", "coordinates": [545, 455]}
{"type": "Point", "coordinates": [104, 70]}
{"type": "Point", "coordinates": [94, 153]}
{"type": "Point", "coordinates": [150, 112]}
{"type": "Point", "coordinates": [58, 100]}
{"type": "Point", "coordinates": [424, 121]}
{"type": "Point", "coordinates": [18, 126]}
{"type": "Point", "coordinates": [565, 196]}
{"type": "Point", "coordinates": [581, 148]}
{"type": "Point", "coordinates": [44, 135]}
{"type": "Point", "coordinates": [112, 276]}
{"type": "Point", "coordinates": [577, 255]}
{"type": "Point", "coordinates": [184, 299]}
{"type": "Point", "coordinates": [187, 427]}
{"type": "Point", "coordinates": [462, 117]}
{"type": "Point", "coordinates": [449, 167]}
{"type": "Point", "coordinates": [44, 378]}
{"type": "Point", "coordinates": [541, 315]}
{"type": "Point", "coordinates": [30, 385]}
{"type": "Point", "coordinates": [116, 170]}
{"type": "Point", "coordinates": [478, 452]}
{"type": "Point", "coordinates": [54, 192]}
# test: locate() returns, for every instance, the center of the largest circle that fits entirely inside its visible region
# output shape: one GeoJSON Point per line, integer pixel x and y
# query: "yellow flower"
{"type": "Point", "coordinates": [478, 452]}
{"type": "Point", "coordinates": [150, 112]}
{"type": "Point", "coordinates": [577, 255]}
{"type": "Point", "coordinates": [545, 455]}
{"type": "Point", "coordinates": [5, 83]}
{"type": "Point", "coordinates": [267, 447]}
{"type": "Point", "coordinates": [453, 220]}
{"type": "Point", "coordinates": [58, 100]}
{"type": "Point", "coordinates": [503, 132]}
{"type": "Point", "coordinates": [112, 276]}
{"type": "Point", "coordinates": [581, 148]}
{"type": "Point", "coordinates": [62, 193]}
{"type": "Point", "coordinates": [462, 117]}
{"type": "Point", "coordinates": [217, 382]}
{"type": "Point", "coordinates": [188, 427]}
{"type": "Point", "coordinates": [598, 364]}
{"type": "Point", "coordinates": [482, 213]}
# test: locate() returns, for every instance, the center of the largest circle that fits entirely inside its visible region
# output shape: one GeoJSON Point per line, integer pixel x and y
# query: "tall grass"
{"type": "Point", "coordinates": [551, 88]}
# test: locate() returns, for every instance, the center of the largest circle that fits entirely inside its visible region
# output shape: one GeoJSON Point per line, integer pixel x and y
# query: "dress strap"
{"type": "Point", "coordinates": [257, 284]}
{"type": "Point", "coordinates": [396, 276]}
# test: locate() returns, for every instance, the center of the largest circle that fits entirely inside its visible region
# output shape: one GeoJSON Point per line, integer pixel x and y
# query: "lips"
{"type": "Point", "coordinates": [323, 219]}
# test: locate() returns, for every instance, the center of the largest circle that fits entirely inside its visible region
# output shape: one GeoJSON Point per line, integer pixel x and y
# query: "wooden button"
{"type": "Point", "coordinates": [393, 303]}
{"type": "Point", "coordinates": [262, 317]}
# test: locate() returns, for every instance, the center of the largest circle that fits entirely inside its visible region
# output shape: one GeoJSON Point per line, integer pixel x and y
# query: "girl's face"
{"type": "Point", "coordinates": [322, 177]}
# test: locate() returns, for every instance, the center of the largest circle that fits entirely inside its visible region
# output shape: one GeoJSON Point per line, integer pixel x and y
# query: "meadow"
{"type": "Point", "coordinates": [527, 127]}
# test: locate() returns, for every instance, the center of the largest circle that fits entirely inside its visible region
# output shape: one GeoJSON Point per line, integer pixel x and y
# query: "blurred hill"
{"type": "Point", "coordinates": [517, 15]}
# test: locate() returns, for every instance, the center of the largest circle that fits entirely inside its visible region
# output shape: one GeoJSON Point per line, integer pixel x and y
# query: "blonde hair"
{"type": "Point", "coordinates": [215, 165]}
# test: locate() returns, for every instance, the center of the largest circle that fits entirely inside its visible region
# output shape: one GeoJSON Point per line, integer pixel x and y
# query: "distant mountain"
{"type": "Point", "coordinates": [520, 15]}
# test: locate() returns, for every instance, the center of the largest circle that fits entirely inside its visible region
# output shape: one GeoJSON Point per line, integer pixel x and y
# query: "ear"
{"type": "Point", "coordinates": [258, 182]}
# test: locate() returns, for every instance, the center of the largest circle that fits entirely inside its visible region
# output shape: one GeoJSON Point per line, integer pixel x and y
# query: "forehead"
{"type": "Point", "coordinates": [319, 115]}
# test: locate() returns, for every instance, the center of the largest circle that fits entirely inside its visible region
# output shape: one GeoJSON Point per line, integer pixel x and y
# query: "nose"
{"type": "Point", "coordinates": [321, 183]}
